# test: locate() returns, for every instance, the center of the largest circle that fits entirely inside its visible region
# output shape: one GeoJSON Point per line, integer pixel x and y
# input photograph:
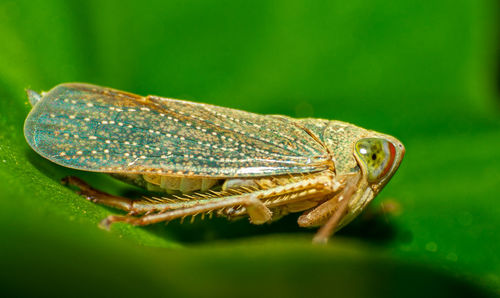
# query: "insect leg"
{"type": "Point", "coordinates": [256, 210]}
{"type": "Point", "coordinates": [336, 208]}
{"type": "Point", "coordinates": [103, 198]}
{"type": "Point", "coordinates": [98, 196]}
{"type": "Point", "coordinates": [256, 204]}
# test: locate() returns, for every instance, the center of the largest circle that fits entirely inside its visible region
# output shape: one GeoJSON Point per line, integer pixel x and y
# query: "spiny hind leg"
{"type": "Point", "coordinates": [103, 198]}
{"type": "Point", "coordinates": [318, 185]}
{"type": "Point", "coordinates": [256, 210]}
{"type": "Point", "coordinates": [167, 209]}
{"type": "Point", "coordinates": [98, 196]}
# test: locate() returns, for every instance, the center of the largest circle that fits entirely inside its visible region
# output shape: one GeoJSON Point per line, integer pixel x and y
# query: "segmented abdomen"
{"type": "Point", "coordinates": [168, 184]}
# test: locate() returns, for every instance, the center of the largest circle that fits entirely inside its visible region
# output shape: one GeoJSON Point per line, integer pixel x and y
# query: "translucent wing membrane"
{"type": "Point", "coordinates": [104, 130]}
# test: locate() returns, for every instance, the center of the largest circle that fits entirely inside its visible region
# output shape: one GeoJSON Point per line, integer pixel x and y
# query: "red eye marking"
{"type": "Point", "coordinates": [388, 166]}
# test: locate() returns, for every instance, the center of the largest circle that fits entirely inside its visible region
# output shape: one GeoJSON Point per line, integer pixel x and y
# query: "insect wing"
{"type": "Point", "coordinates": [99, 129]}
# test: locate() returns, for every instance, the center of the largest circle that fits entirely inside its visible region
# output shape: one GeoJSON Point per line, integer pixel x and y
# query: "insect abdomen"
{"type": "Point", "coordinates": [181, 184]}
{"type": "Point", "coordinates": [168, 184]}
{"type": "Point", "coordinates": [184, 185]}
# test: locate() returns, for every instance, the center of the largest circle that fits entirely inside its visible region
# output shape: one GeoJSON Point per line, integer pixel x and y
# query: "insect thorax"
{"type": "Point", "coordinates": [340, 138]}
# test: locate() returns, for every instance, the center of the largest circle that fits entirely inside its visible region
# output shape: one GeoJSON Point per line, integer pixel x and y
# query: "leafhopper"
{"type": "Point", "coordinates": [201, 159]}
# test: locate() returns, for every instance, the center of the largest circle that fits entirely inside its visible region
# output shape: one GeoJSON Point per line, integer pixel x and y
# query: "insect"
{"type": "Point", "coordinates": [200, 159]}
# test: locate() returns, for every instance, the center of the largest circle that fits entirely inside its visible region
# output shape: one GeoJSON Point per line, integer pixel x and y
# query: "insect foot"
{"type": "Point", "coordinates": [108, 221]}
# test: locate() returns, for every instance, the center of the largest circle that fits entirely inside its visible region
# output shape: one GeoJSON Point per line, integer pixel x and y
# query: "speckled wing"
{"type": "Point", "coordinates": [99, 129]}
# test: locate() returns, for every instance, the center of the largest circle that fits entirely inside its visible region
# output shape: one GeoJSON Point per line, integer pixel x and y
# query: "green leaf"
{"type": "Point", "coordinates": [423, 72]}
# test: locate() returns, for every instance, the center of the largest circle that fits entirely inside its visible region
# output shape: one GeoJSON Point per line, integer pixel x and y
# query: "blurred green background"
{"type": "Point", "coordinates": [425, 72]}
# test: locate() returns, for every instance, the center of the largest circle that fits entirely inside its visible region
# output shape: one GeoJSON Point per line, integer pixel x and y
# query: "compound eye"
{"type": "Point", "coordinates": [377, 155]}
